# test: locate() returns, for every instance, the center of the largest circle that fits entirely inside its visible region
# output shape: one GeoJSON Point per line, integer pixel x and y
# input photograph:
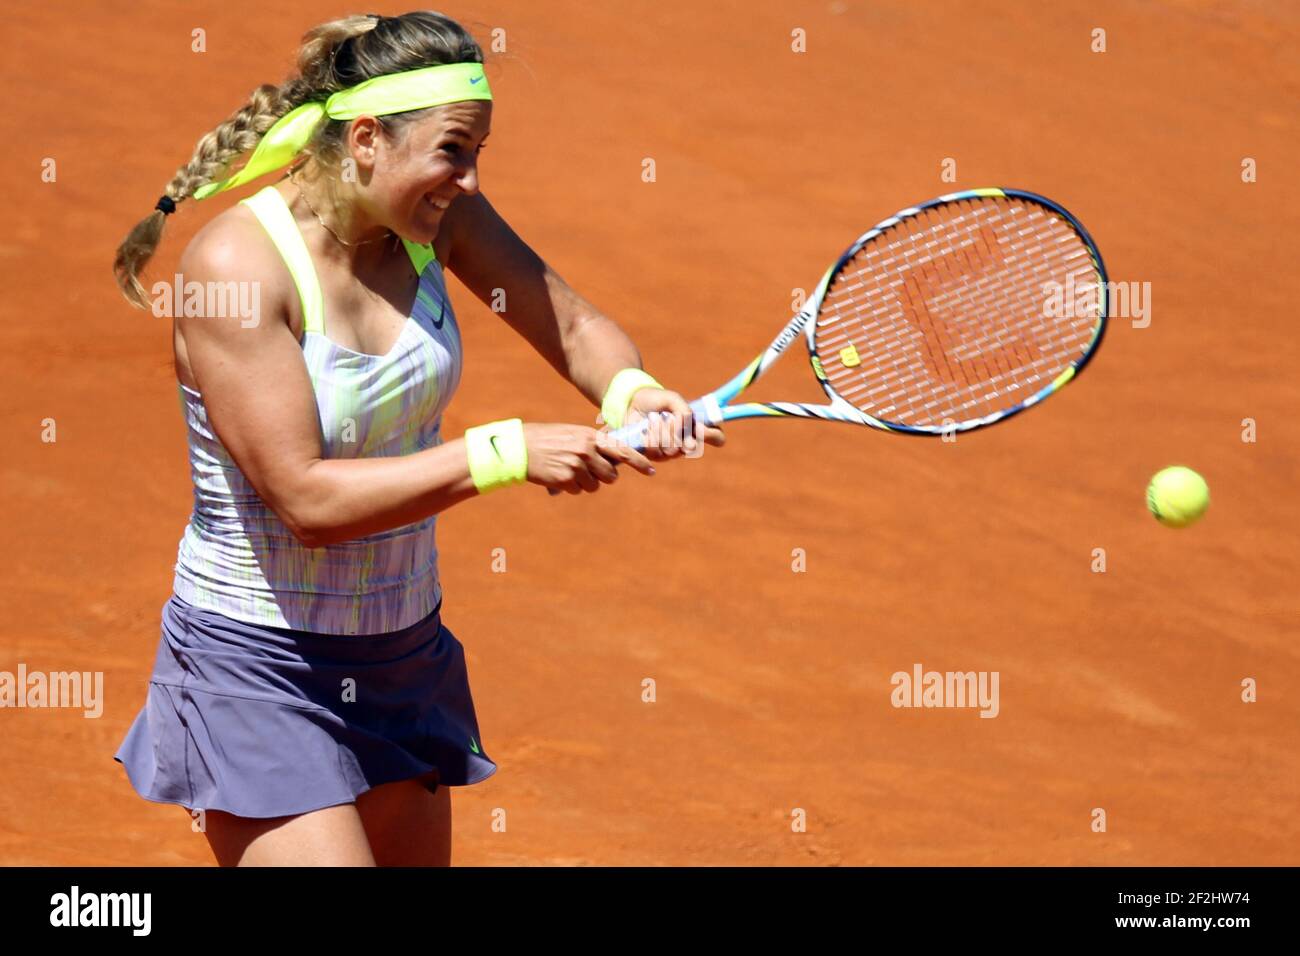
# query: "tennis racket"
{"type": "Point", "coordinates": [944, 318]}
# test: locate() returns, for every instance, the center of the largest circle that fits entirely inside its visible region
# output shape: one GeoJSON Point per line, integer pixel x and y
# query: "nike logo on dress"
{"type": "Point", "coordinates": [473, 746]}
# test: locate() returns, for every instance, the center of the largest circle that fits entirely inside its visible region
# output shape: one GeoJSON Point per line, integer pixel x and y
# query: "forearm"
{"type": "Point", "coordinates": [584, 346]}
{"type": "Point", "coordinates": [589, 347]}
{"type": "Point", "coordinates": [339, 499]}
{"type": "Point", "coordinates": [596, 350]}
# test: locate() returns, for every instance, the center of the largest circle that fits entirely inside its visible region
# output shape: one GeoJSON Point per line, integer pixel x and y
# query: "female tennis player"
{"type": "Point", "coordinates": [306, 695]}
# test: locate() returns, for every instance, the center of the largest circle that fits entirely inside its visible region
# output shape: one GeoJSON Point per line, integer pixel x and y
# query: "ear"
{"type": "Point", "coordinates": [364, 140]}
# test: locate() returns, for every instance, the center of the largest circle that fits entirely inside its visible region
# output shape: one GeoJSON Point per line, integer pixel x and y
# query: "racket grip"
{"type": "Point", "coordinates": [704, 410]}
{"type": "Point", "coordinates": [634, 435]}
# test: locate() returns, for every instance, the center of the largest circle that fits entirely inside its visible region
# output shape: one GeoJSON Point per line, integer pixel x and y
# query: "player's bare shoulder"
{"type": "Point", "coordinates": [461, 224]}
{"type": "Point", "coordinates": [234, 291]}
{"type": "Point", "coordinates": [234, 277]}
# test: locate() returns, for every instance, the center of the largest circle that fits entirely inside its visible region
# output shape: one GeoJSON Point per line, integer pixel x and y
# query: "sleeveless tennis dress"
{"type": "Point", "coordinates": [289, 678]}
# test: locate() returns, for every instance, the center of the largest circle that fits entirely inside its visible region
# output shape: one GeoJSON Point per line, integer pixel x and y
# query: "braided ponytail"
{"type": "Point", "coordinates": [333, 56]}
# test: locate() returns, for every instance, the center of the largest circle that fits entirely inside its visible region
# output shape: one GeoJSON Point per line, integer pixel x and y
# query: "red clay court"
{"type": "Point", "coordinates": [1120, 690]}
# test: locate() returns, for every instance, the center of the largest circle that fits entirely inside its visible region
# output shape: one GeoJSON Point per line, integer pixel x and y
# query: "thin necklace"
{"type": "Point", "coordinates": [303, 193]}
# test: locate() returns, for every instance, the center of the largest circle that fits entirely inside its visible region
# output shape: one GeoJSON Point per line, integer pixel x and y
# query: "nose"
{"type": "Point", "coordinates": [467, 177]}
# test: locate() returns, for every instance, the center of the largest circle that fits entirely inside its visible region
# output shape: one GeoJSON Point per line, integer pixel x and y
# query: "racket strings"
{"type": "Point", "coordinates": [958, 312]}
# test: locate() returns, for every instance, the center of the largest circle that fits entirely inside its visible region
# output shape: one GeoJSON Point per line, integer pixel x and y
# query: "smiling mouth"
{"type": "Point", "coordinates": [437, 202]}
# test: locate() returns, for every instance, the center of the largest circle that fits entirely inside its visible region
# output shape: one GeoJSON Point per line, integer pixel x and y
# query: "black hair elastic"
{"type": "Point", "coordinates": [167, 205]}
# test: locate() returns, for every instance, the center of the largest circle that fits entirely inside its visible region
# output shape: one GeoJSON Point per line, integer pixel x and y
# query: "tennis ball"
{"type": "Point", "coordinates": [1177, 496]}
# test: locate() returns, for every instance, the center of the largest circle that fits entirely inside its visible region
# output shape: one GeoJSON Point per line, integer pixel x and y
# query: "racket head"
{"type": "Point", "coordinates": [958, 313]}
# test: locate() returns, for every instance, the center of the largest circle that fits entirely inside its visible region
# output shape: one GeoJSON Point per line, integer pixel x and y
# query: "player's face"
{"type": "Point", "coordinates": [435, 161]}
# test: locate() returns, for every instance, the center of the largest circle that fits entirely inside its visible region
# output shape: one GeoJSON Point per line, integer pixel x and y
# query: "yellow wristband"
{"type": "Point", "coordinates": [619, 394]}
{"type": "Point", "coordinates": [497, 454]}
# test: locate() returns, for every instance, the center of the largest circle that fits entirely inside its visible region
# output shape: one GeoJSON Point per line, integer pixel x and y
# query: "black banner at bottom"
{"type": "Point", "coordinates": [333, 906]}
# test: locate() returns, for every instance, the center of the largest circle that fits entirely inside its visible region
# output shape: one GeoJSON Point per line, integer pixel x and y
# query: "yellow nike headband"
{"type": "Point", "coordinates": [381, 96]}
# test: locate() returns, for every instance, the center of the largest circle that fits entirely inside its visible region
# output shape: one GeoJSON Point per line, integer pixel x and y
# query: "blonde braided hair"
{"type": "Point", "coordinates": [333, 56]}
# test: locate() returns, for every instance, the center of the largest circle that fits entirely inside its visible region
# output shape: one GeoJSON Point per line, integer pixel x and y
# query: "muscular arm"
{"type": "Point", "coordinates": [580, 343]}
{"type": "Point", "coordinates": [260, 402]}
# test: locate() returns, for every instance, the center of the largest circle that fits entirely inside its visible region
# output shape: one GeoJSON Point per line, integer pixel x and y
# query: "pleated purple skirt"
{"type": "Point", "coordinates": [269, 722]}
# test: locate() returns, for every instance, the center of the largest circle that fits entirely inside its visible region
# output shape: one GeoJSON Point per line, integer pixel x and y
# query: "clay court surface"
{"type": "Point", "coordinates": [1119, 690]}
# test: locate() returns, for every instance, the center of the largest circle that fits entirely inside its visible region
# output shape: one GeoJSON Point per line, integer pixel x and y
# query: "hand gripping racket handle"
{"type": "Point", "coordinates": [704, 410]}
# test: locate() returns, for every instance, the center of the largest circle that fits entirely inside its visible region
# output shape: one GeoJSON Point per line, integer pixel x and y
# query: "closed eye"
{"type": "Point", "coordinates": [453, 148]}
